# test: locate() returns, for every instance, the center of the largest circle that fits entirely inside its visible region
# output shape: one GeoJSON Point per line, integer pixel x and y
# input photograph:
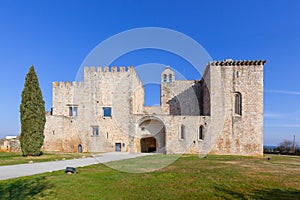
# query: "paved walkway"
{"type": "Point", "coordinates": [14, 171]}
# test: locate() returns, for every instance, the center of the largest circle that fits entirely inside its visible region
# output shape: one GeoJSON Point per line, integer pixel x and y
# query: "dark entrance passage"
{"type": "Point", "coordinates": [148, 145]}
{"type": "Point", "coordinates": [118, 147]}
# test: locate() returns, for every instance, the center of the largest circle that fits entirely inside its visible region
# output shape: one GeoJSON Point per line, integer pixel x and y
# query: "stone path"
{"type": "Point", "coordinates": [14, 171]}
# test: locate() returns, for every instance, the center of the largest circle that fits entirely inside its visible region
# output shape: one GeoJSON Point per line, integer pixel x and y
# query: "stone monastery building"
{"type": "Point", "coordinates": [221, 113]}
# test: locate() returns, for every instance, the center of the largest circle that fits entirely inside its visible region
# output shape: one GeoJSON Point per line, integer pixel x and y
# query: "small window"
{"type": "Point", "coordinates": [107, 111]}
{"type": "Point", "coordinates": [143, 128]}
{"type": "Point", "coordinates": [73, 110]}
{"type": "Point", "coordinates": [170, 78]}
{"type": "Point", "coordinates": [165, 78]}
{"type": "Point", "coordinates": [201, 136]}
{"type": "Point", "coordinates": [182, 132]}
{"type": "Point", "coordinates": [95, 130]}
{"type": "Point", "coordinates": [238, 103]}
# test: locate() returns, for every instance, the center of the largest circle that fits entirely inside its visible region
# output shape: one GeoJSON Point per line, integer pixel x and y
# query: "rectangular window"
{"type": "Point", "coordinates": [107, 111]}
{"type": "Point", "coordinates": [73, 111]}
{"type": "Point", "coordinates": [95, 131]}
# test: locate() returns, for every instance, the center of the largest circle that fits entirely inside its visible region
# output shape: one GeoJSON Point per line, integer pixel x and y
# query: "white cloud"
{"type": "Point", "coordinates": [291, 125]}
{"type": "Point", "coordinates": [272, 115]}
{"type": "Point", "coordinates": [283, 92]}
{"type": "Point", "coordinates": [283, 125]}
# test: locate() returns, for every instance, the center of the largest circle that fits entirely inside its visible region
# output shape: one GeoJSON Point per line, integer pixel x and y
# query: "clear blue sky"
{"type": "Point", "coordinates": [56, 36]}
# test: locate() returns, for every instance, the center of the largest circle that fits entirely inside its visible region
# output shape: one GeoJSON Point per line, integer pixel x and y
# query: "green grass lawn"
{"type": "Point", "coordinates": [10, 158]}
{"type": "Point", "coordinates": [189, 177]}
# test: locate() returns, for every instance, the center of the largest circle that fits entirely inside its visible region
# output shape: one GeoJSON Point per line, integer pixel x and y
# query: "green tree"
{"type": "Point", "coordinates": [287, 147]}
{"type": "Point", "coordinates": [32, 114]}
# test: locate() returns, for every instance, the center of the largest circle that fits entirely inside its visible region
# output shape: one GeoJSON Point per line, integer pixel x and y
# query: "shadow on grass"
{"type": "Point", "coordinates": [272, 193]}
{"type": "Point", "coordinates": [23, 188]}
{"type": "Point", "coordinates": [229, 194]}
{"type": "Point", "coordinates": [277, 194]}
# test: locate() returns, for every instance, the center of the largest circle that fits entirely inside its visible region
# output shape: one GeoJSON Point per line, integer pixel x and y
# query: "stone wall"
{"type": "Point", "coordinates": [181, 97]}
{"type": "Point", "coordinates": [190, 143]}
{"type": "Point", "coordinates": [10, 145]}
{"type": "Point", "coordinates": [117, 88]}
{"type": "Point", "coordinates": [241, 134]}
{"type": "Point", "coordinates": [208, 102]}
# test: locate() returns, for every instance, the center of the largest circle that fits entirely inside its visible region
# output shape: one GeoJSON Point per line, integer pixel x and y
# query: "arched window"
{"type": "Point", "coordinates": [238, 103]}
{"type": "Point", "coordinates": [79, 148]}
{"type": "Point", "coordinates": [201, 136]}
{"type": "Point", "coordinates": [182, 132]}
{"type": "Point", "coordinates": [170, 78]}
{"type": "Point", "coordinates": [165, 78]}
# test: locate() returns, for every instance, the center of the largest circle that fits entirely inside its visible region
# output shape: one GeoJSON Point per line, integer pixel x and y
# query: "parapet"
{"type": "Point", "coordinates": [107, 69]}
{"type": "Point", "coordinates": [67, 84]}
{"type": "Point", "coordinates": [230, 62]}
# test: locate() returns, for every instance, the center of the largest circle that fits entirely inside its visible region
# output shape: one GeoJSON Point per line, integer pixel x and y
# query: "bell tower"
{"type": "Point", "coordinates": [166, 91]}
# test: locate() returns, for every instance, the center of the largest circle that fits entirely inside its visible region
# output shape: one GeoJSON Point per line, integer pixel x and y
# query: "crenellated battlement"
{"type": "Point", "coordinates": [106, 69]}
{"type": "Point", "coordinates": [222, 113]}
{"type": "Point", "coordinates": [67, 84]}
{"type": "Point", "coordinates": [91, 71]}
{"type": "Point", "coordinates": [109, 72]}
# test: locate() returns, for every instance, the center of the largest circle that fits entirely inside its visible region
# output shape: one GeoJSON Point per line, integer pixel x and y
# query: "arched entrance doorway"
{"type": "Point", "coordinates": [152, 134]}
{"type": "Point", "coordinates": [79, 148]}
{"type": "Point", "coordinates": [148, 145]}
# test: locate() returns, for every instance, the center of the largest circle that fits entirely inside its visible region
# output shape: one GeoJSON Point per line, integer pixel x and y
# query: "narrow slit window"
{"type": "Point", "coordinates": [201, 136]}
{"type": "Point", "coordinates": [238, 103]}
{"type": "Point", "coordinates": [182, 132]}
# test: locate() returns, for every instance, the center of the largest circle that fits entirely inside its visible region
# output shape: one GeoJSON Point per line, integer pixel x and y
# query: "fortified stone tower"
{"type": "Point", "coordinates": [236, 94]}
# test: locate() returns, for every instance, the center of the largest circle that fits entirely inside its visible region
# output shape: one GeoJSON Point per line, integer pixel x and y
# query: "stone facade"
{"type": "Point", "coordinates": [221, 113]}
{"type": "Point", "coordinates": [10, 145]}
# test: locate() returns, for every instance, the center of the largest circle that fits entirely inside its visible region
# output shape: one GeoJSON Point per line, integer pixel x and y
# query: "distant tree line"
{"type": "Point", "coordinates": [286, 147]}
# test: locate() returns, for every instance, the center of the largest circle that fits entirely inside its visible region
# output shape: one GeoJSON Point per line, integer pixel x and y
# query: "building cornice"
{"type": "Point", "coordinates": [230, 62]}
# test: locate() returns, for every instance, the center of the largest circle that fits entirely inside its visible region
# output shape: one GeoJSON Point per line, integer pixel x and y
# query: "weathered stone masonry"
{"type": "Point", "coordinates": [221, 113]}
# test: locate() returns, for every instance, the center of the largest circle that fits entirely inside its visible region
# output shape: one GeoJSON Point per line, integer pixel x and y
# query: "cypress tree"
{"type": "Point", "coordinates": [32, 114]}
